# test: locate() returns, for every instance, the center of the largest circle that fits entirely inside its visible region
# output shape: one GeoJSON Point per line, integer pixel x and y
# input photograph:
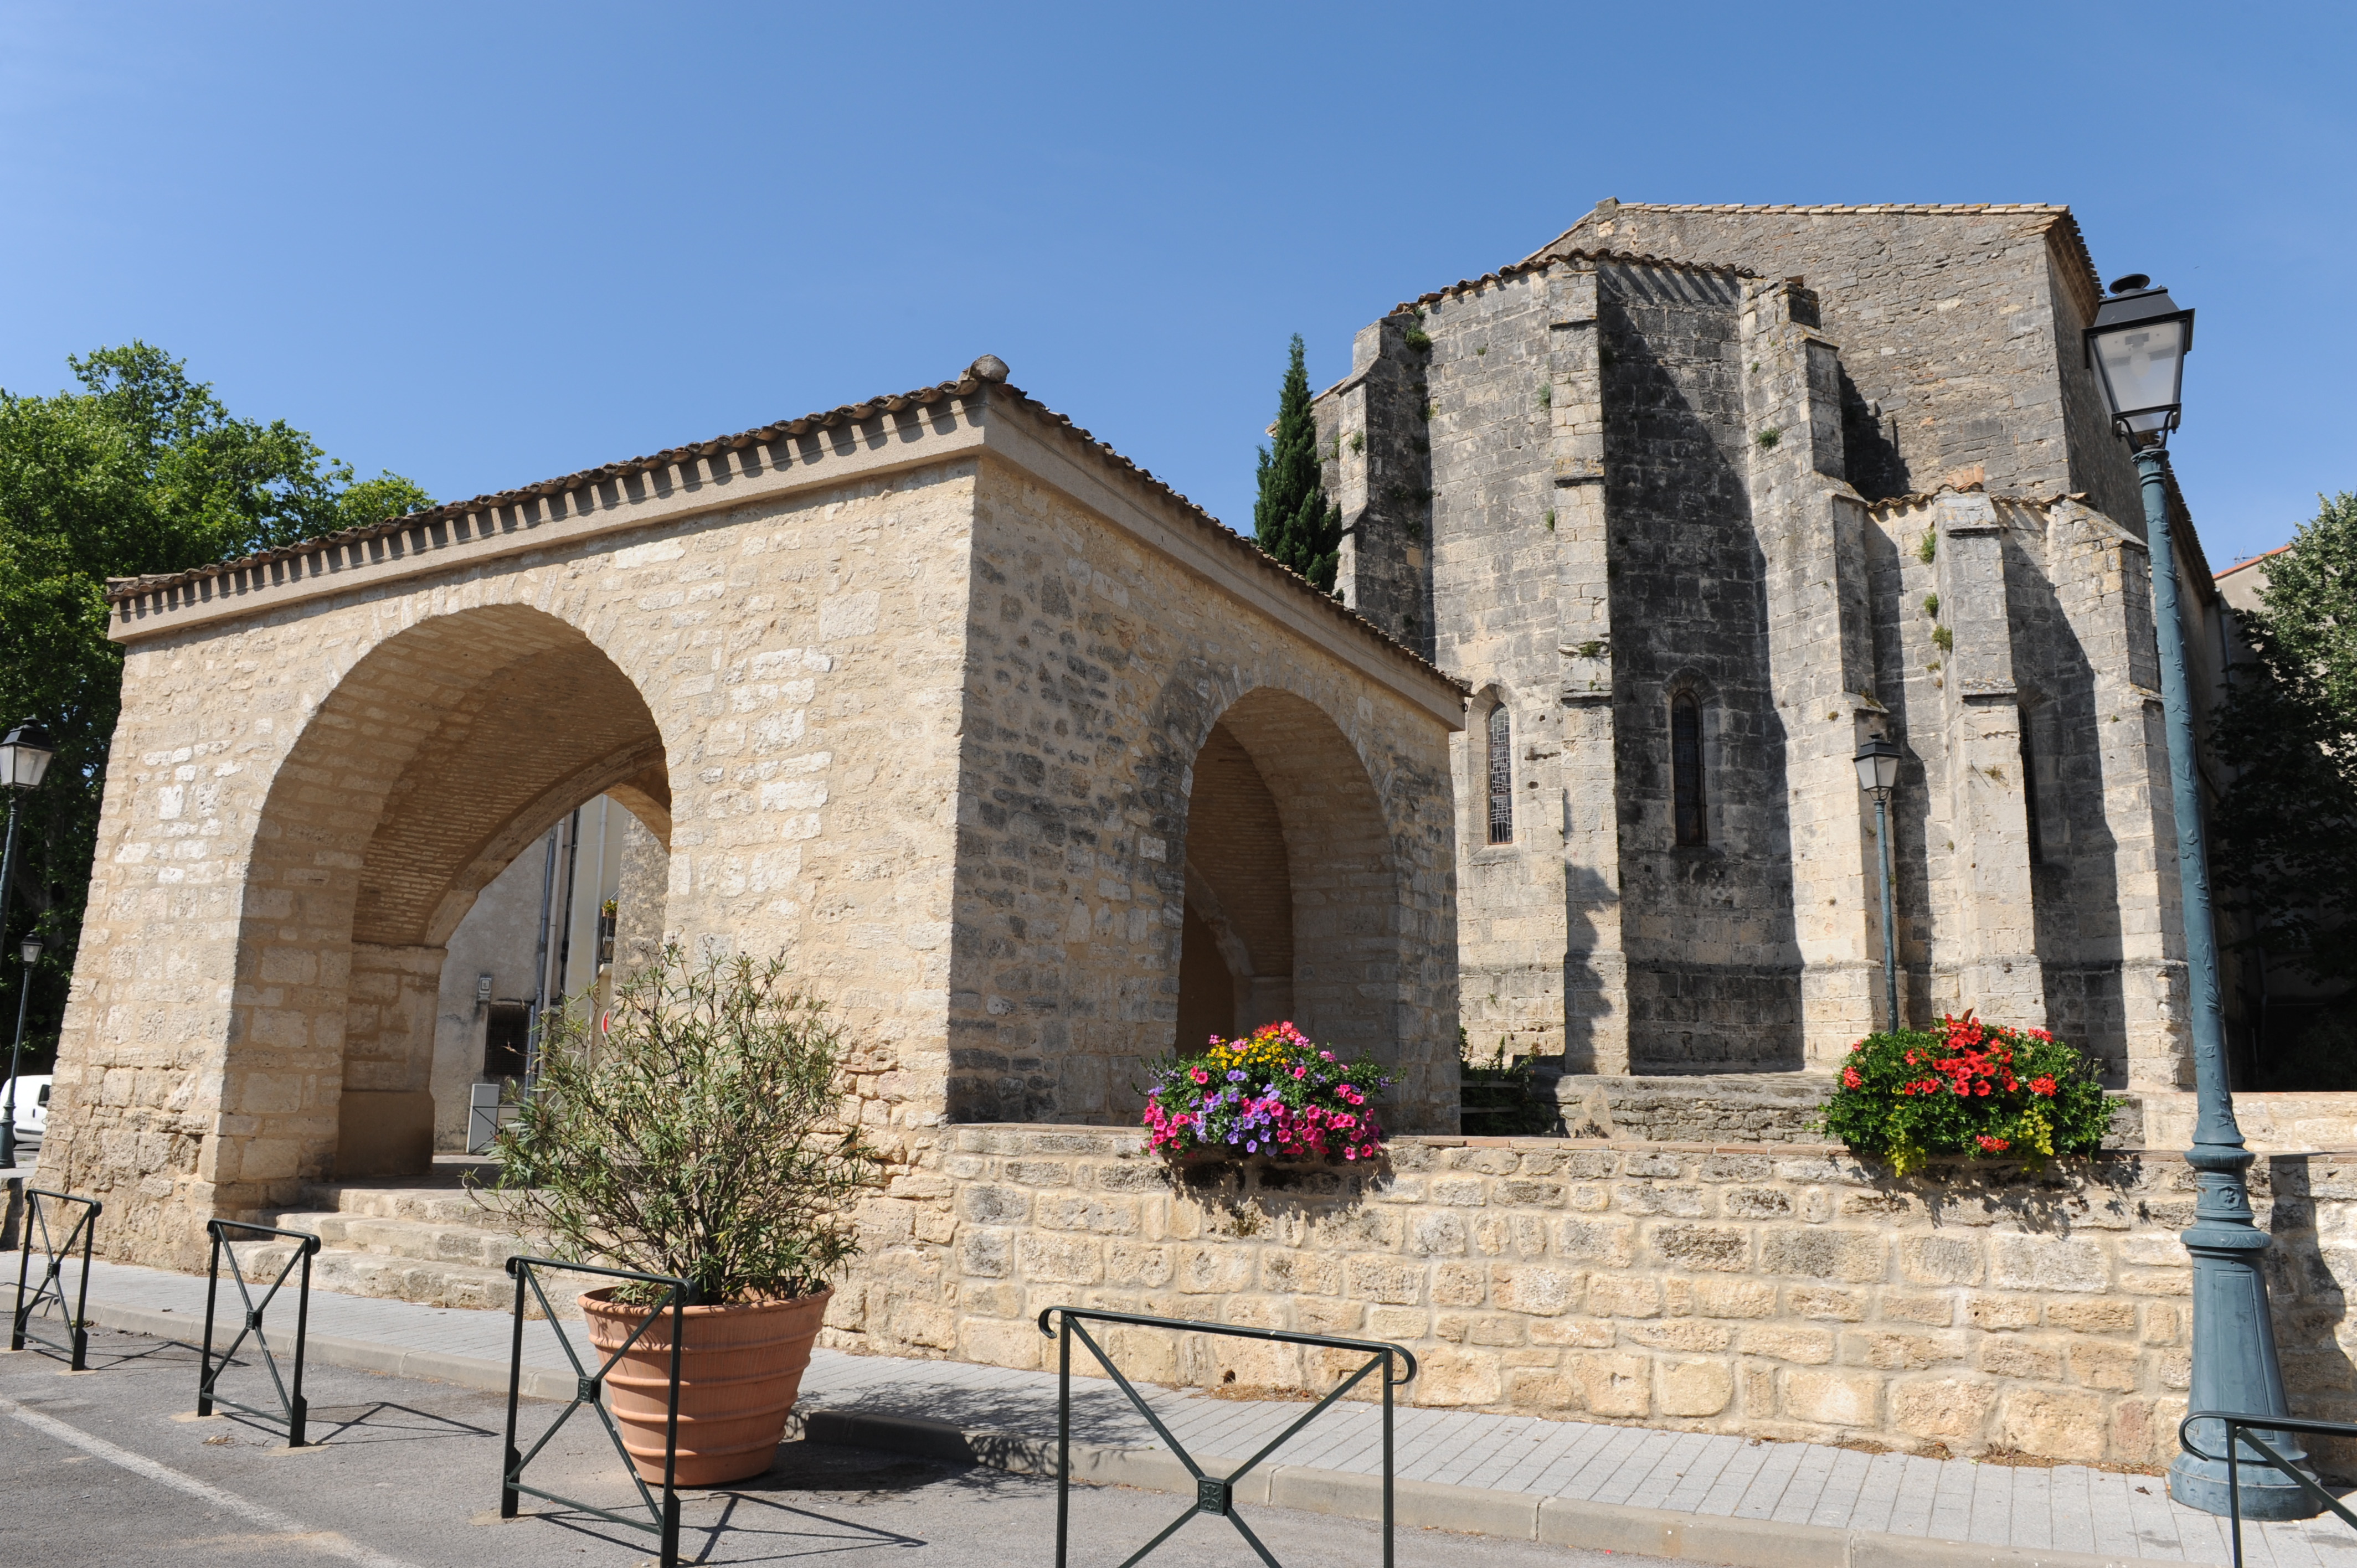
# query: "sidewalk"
{"type": "Point", "coordinates": [1708, 1499]}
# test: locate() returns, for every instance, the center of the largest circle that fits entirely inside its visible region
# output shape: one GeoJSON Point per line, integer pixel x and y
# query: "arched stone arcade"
{"type": "Point", "coordinates": [438, 758]}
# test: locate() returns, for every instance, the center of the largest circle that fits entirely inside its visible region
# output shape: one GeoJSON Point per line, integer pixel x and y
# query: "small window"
{"type": "Point", "coordinates": [1685, 769]}
{"type": "Point", "coordinates": [505, 1030]}
{"type": "Point", "coordinates": [2029, 792]}
{"type": "Point", "coordinates": [1501, 777]}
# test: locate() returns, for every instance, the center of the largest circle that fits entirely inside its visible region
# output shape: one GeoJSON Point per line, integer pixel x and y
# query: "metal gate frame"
{"type": "Point", "coordinates": [678, 1296]}
{"type": "Point", "coordinates": [291, 1408]}
{"type": "Point", "coordinates": [52, 1286]}
{"type": "Point", "coordinates": [1214, 1494]}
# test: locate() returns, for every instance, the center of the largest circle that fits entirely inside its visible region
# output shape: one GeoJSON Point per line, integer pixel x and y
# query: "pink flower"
{"type": "Point", "coordinates": [1850, 1079]}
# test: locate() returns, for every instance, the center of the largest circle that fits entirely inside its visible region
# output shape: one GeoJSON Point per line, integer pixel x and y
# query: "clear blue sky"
{"type": "Point", "coordinates": [482, 244]}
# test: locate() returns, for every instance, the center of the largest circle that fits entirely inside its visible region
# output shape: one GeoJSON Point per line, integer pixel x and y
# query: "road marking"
{"type": "Point", "coordinates": [164, 1474]}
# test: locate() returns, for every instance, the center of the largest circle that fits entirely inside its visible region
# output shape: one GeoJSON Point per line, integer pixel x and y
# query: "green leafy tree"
{"type": "Point", "coordinates": [1292, 520]}
{"type": "Point", "coordinates": [2287, 829]}
{"type": "Point", "coordinates": [141, 470]}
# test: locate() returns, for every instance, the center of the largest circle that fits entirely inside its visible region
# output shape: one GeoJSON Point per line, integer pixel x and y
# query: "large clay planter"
{"type": "Point", "coordinates": [739, 1371]}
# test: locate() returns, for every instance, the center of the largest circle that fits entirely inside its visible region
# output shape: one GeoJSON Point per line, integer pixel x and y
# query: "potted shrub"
{"type": "Point", "coordinates": [699, 1136]}
{"type": "Point", "coordinates": [1273, 1092]}
{"type": "Point", "coordinates": [1968, 1088]}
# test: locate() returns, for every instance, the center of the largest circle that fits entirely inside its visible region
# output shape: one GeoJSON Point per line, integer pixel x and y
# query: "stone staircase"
{"type": "Point", "coordinates": [424, 1239]}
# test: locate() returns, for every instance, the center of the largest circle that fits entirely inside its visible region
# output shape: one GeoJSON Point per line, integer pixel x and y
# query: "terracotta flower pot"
{"type": "Point", "coordinates": [739, 1371]}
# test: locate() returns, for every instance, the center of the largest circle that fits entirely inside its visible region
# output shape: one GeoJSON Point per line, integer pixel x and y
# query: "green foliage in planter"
{"type": "Point", "coordinates": [1966, 1088]}
{"type": "Point", "coordinates": [700, 1136]}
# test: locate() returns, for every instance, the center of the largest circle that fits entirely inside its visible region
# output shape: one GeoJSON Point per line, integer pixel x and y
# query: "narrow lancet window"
{"type": "Point", "coordinates": [1686, 767]}
{"type": "Point", "coordinates": [2029, 792]}
{"type": "Point", "coordinates": [1501, 777]}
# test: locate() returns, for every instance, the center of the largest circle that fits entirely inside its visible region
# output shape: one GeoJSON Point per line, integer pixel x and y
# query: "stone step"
{"type": "Point", "coordinates": [423, 1241]}
{"type": "Point", "coordinates": [437, 1205]}
{"type": "Point", "coordinates": [397, 1278]}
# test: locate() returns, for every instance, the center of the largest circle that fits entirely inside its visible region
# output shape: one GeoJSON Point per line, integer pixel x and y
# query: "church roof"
{"type": "Point", "coordinates": [2059, 226]}
{"type": "Point", "coordinates": [1544, 258]}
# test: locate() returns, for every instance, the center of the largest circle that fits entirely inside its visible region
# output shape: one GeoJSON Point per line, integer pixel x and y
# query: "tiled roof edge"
{"type": "Point", "coordinates": [120, 589]}
{"type": "Point", "coordinates": [1540, 261]}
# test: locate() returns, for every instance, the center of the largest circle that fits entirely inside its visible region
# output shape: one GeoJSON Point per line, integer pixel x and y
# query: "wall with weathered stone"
{"type": "Point", "coordinates": [1096, 671]}
{"type": "Point", "coordinates": [1787, 1291]}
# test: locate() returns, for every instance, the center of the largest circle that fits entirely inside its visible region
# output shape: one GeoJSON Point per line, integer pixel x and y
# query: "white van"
{"type": "Point", "coordinates": [32, 1112]}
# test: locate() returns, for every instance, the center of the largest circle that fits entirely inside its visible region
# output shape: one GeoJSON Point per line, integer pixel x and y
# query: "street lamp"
{"type": "Point", "coordinates": [25, 754]}
{"type": "Point", "coordinates": [1878, 775]}
{"type": "Point", "coordinates": [2137, 346]}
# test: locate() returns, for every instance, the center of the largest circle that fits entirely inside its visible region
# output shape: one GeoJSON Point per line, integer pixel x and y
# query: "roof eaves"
{"type": "Point", "coordinates": [1542, 261]}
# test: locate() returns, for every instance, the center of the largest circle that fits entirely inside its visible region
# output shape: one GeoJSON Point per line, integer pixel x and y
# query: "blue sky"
{"type": "Point", "coordinates": [483, 244]}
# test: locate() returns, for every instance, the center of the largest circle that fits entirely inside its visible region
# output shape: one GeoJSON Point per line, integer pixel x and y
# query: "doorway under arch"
{"type": "Point", "coordinates": [441, 754]}
{"type": "Point", "coordinates": [1292, 898]}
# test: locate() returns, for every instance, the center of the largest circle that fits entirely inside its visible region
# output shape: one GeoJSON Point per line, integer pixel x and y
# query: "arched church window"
{"type": "Point", "coordinates": [1501, 777]}
{"type": "Point", "coordinates": [1685, 769]}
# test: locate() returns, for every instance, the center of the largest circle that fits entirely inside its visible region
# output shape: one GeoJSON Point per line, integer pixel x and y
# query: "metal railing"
{"type": "Point", "coordinates": [292, 1410]}
{"type": "Point", "coordinates": [1214, 1494]}
{"type": "Point", "coordinates": [52, 1286]}
{"type": "Point", "coordinates": [2250, 1427]}
{"type": "Point", "coordinates": [663, 1518]}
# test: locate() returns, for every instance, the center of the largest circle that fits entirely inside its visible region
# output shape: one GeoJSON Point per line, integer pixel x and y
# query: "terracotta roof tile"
{"type": "Point", "coordinates": [1540, 262]}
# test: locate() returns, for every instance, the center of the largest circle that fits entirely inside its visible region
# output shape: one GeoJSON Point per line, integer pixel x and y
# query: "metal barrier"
{"type": "Point", "coordinates": [678, 1294]}
{"type": "Point", "coordinates": [52, 1286]}
{"type": "Point", "coordinates": [2250, 1426]}
{"type": "Point", "coordinates": [292, 1410]}
{"type": "Point", "coordinates": [1214, 1494]}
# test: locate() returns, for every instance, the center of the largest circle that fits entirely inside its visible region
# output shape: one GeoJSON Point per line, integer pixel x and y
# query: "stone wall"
{"type": "Point", "coordinates": [1784, 1292]}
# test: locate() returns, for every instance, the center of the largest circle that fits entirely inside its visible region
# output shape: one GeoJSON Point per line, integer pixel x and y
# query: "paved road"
{"type": "Point", "coordinates": [98, 1471]}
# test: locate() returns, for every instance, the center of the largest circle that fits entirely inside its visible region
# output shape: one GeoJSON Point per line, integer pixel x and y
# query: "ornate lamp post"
{"type": "Point", "coordinates": [1878, 775]}
{"type": "Point", "coordinates": [2137, 346]}
{"type": "Point", "coordinates": [25, 756]}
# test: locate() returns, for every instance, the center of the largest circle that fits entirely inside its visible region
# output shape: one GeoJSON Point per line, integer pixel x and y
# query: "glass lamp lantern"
{"type": "Point", "coordinates": [2137, 346]}
{"type": "Point", "coordinates": [1878, 766]}
{"type": "Point", "coordinates": [25, 756]}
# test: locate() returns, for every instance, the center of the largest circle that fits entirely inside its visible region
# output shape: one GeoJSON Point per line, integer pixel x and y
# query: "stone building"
{"type": "Point", "coordinates": [1016, 754]}
{"type": "Point", "coordinates": [1695, 499]}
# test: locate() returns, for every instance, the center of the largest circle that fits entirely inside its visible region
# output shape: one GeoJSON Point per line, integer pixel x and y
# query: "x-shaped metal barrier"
{"type": "Point", "coordinates": [52, 1287]}
{"type": "Point", "coordinates": [1214, 1494]}
{"type": "Point", "coordinates": [663, 1516]}
{"type": "Point", "coordinates": [292, 1410]}
{"type": "Point", "coordinates": [2250, 1427]}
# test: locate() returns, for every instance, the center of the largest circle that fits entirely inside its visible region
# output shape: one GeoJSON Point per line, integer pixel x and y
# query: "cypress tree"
{"type": "Point", "coordinates": [1292, 520]}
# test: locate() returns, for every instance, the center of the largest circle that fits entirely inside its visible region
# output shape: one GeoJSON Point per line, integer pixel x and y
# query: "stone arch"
{"type": "Point", "coordinates": [1286, 831]}
{"type": "Point", "coordinates": [437, 758]}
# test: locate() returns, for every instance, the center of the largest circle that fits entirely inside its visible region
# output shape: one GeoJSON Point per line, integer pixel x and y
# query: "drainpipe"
{"type": "Point", "coordinates": [540, 969]}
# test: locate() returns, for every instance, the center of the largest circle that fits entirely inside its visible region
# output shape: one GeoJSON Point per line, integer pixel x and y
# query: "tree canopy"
{"type": "Point", "coordinates": [2287, 829]}
{"type": "Point", "coordinates": [1292, 520]}
{"type": "Point", "coordinates": [140, 470]}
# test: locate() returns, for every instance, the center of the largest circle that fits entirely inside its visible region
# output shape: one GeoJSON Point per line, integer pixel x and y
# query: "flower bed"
{"type": "Point", "coordinates": [1274, 1092]}
{"type": "Point", "coordinates": [1966, 1088]}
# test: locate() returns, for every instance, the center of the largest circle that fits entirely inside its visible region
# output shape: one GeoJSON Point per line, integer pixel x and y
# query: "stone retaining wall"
{"type": "Point", "coordinates": [1784, 1292]}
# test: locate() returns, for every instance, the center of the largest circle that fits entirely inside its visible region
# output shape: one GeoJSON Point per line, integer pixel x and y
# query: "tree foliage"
{"type": "Point", "coordinates": [141, 470]}
{"type": "Point", "coordinates": [700, 1137]}
{"type": "Point", "coordinates": [1293, 521]}
{"type": "Point", "coordinates": [2286, 828]}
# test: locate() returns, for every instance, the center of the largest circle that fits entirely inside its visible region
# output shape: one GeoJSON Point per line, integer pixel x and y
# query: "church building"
{"type": "Point", "coordinates": [1698, 500]}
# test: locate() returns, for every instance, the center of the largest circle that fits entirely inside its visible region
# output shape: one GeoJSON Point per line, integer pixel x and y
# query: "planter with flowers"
{"type": "Point", "coordinates": [1968, 1088]}
{"type": "Point", "coordinates": [1274, 1092]}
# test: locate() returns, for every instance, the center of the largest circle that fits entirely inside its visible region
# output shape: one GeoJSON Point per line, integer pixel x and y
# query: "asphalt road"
{"type": "Point", "coordinates": [109, 1467]}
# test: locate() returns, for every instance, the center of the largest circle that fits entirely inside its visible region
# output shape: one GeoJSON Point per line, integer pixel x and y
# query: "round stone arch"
{"type": "Point", "coordinates": [437, 758]}
{"type": "Point", "coordinates": [1290, 879]}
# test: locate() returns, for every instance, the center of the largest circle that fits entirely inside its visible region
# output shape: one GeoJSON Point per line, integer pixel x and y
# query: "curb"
{"type": "Point", "coordinates": [1473, 1510]}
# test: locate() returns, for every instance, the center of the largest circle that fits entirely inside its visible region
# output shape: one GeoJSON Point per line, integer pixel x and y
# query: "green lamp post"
{"type": "Point", "coordinates": [2137, 346]}
{"type": "Point", "coordinates": [1878, 775]}
{"type": "Point", "coordinates": [25, 756]}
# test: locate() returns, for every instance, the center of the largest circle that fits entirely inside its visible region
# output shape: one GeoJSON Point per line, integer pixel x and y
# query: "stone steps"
{"type": "Point", "coordinates": [430, 1240]}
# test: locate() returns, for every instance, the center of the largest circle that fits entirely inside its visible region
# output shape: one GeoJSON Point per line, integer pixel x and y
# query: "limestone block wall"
{"type": "Point", "coordinates": [1095, 670]}
{"type": "Point", "coordinates": [1785, 1292]}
